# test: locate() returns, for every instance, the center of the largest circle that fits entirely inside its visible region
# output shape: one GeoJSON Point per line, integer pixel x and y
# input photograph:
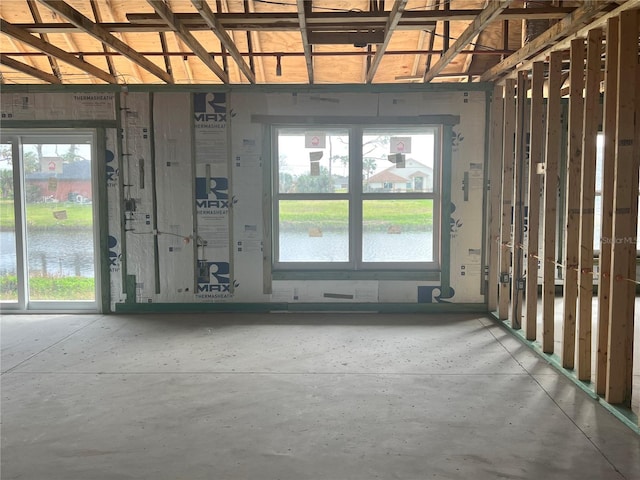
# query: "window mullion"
{"type": "Point", "coordinates": [355, 188]}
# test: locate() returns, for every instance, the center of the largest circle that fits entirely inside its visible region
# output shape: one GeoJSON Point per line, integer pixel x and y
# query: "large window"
{"type": "Point", "coordinates": [351, 198]}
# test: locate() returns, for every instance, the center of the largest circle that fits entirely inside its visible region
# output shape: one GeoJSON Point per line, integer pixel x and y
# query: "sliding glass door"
{"type": "Point", "coordinates": [47, 237]}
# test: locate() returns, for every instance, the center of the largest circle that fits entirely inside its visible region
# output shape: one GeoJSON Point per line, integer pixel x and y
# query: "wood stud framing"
{"type": "Point", "coordinates": [608, 177]}
{"type": "Point", "coordinates": [587, 203]}
{"type": "Point", "coordinates": [517, 280]}
{"type": "Point", "coordinates": [552, 159]}
{"type": "Point", "coordinates": [507, 196]}
{"type": "Point", "coordinates": [621, 310]}
{"type": "Point", "coordinates": [533, 226]}
{"type": "Point", "coordinates": [620, 122]}
{"type": "Point", "coordinates": [572, 224]}
{"type": "Point", "coordinates": [495, 185]}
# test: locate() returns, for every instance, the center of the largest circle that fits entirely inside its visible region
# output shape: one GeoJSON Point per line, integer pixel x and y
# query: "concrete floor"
{"type": "Point", "coordinates": [294, 396]}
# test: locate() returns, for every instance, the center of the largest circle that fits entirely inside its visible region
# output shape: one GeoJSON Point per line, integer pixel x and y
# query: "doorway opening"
{"type": "Point", "coordinates": [48, 258]}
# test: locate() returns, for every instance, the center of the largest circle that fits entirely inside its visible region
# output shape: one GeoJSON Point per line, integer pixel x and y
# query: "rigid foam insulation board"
{"type": "Point", "coordinates": [58, 106]}
{"type": "Point", "coordinates": [247, 172]}
{"type": "Point", "coordinates": [467, 191]}
{"type": "Point", "coordinates": [322, 104]}
{"type": "Point", "coordinates": [138, 188]}
{"type": "Point", "coordinates": [214, 198]}
{"type": "Point", "coordinates": [114, 215]}
{"type": "Point", "coordinates": [175, 192]}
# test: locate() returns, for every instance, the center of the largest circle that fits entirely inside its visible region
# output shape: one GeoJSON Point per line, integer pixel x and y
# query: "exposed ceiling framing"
{"type": "Point", "coordinates": [282, 41]}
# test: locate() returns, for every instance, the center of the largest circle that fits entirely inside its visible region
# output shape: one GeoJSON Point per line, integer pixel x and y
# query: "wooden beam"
{"type": "Point", "coordinates": [567, 26]}
{"type": "Point", "coordinates": [50, 49]}
{"type": "Point", "coordinates": [302, 18]}
{"type": "Point", "coordinates": [98, 18]}
{"type": "Point", "coordinates": [495, 185]}
{"type": "Point", "coordinates": [35, 13]}
{"type": "Point", "coordinates": [28, 69]}
{"type": "Point", "coordinates": [620, 361]}
{"type": "Point", "coordinates": [574, 164]}
{"type": "Point", "coordinates": [168, 16]}
{"type": "Point", "coordinates": [479, 23]}
{"type": "Point", "coordinates": [392, 22]}
{"type": "Point", "coordinates": [552, 159]}
{"type": "Point", "coordinates": [517, 288]}
{"type": "Point", "coordinates": [535, 160]}
{"type": "Point", "coordinates": [587, 202]}
{"type": "Point", "coordinates": [223, 36]}
{"type": "Point", "coordinates": [599, 22]}
{"type": "Point", "coordinates": [608, 178]}
{"type": "Point", "coordinates": [167, 59]}
{"type": "Point", "coordinates": [103, 36]}
{"type": "Point", "coordinates": [508, 148]}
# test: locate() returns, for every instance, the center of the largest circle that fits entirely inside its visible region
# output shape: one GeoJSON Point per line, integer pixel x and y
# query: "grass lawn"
{"type": "Point", "coordinates": [50, 288]}
{"type": "Point", "coordinates": [414, 214]}
{"type": "Point", "coordinates": [40, 215]}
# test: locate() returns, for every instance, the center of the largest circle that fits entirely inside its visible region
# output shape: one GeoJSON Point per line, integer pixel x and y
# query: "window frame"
{"type": "Point", "coordinates": [356, 197]}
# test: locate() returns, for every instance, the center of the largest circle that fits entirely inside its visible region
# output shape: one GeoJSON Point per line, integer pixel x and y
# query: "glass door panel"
{"type": "Point", "coordinates": [8, 252]}
{"type": "Point", "coordinates": [59, 219]}
{"type": "Point", "coordinates": [47, 238]}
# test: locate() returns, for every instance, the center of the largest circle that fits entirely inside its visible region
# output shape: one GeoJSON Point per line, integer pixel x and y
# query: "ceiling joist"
{"type": "Point", "coordinates": [479, 23]}
{"type": "Point", "coordinates": [598, 23]}
{"type": "Point", "coordinates": [35, 13]}
{"type": "Point", "coordinates": [103, 36]}
{"type": "Point", "coordinates": [225, 40]}
{"type": "Point", "coordinates": [392, 22]}
{"type": "Point", "coordinates": [28, 69]}
{"type": "Point", "coordinates": [303, 11]}
{"type": "Point", "coordinates": [50, 49]}
{"type": "Point", "coordinates": [183, 33]}
{"type": "Point", "coordinates": [567, 26]}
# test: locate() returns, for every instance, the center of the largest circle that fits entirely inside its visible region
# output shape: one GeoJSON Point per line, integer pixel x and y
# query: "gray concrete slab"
{"type": "Point", "coordinates": [300, 397]}
{"type": "Point", "coordinates": [23, 336]}
{"type": "Point", "coordinates": [294, 343]}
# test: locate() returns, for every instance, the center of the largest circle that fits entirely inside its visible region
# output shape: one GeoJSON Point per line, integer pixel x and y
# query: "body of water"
{"type": "Point", "coordinates": [56, 253]}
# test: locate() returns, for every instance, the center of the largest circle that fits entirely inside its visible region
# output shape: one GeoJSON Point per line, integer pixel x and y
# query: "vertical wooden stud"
{"type": "Point", "coordinates": [552, 159]}
{"type": "Point", "coordinates": [622, 295]}
{"type": "Point", "coordinates": [517, 287]}
{"type": "Point", "coordinates": [535, 160]}
{"type": "Point", "coordinates": [608, 176]}
{"type": "Point", "coordinates": [587, 203]}
{"type": "Point", "coordinates": [495, 187]}
{"type": "Point", "coordinates": [507, 196]}
{"type": "Point", "coordinates": [574, 163]}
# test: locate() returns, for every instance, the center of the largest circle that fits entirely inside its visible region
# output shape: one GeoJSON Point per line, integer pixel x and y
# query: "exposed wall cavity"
{"type": "Point", "coordinates": [184, 182]}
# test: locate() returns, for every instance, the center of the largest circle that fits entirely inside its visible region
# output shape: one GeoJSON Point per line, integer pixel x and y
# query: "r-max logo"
{"type": "Point", "coordinates": [213, 276]}
{"type": "Point", "coordinates": [114, 256]}
{"type": "Point", "coordinates": [213, 288]}
{"type": "Point", "coordinates": [210, 107]}
{"type": "Point", "coordinates": [112, 173]}
{"type": "Point", "coordinates": [218, 204]}
{"type": "Point", "coordinates": [218, 186]}
{"type": "Point", "coordinates": [211, 117]}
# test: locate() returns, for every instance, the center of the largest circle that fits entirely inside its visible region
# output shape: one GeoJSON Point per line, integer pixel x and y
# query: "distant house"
{"type": "Point", "coordinates": [414, 177]}
{"type": "Point", "coordinates": [73, 184]}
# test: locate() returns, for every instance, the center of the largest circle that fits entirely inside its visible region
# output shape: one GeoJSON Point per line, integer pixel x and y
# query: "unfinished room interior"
{"type": "Point", "coordinates": [319, 239]}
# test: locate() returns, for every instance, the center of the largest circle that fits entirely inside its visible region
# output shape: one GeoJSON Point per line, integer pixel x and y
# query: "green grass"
{"type": "Point", "coordinates": [410, 215]}
{"type": "Point", "coordinates": [50, 288]}
{"type": "Point", "coordinates": [40, 216]}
